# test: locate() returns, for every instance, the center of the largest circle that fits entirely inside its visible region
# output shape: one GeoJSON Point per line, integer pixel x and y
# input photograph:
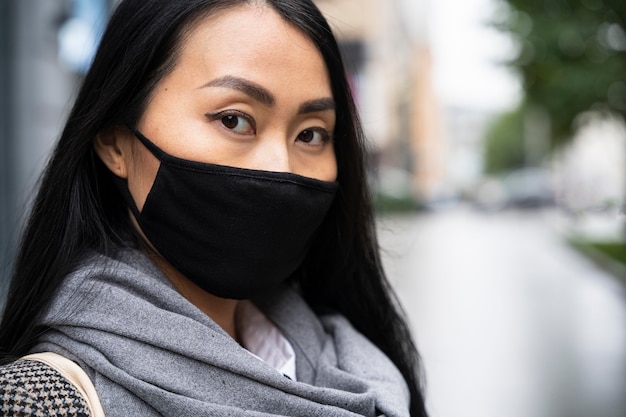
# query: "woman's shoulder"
{"type": "Point", "coordinates": [33, 388]}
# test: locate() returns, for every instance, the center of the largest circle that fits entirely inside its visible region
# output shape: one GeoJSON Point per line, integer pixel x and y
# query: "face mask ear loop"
{"type": "Point", "coordinates": [155, 150]}
{"type": "Point", "coordinates": [122, 186]}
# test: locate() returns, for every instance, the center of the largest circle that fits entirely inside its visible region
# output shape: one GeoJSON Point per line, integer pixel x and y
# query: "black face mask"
{"type": "Point", "coordinates": [234, 232]}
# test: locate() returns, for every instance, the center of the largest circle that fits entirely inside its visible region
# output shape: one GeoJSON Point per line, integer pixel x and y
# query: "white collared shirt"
{"type": "Point", "coordinates": [264, 340]}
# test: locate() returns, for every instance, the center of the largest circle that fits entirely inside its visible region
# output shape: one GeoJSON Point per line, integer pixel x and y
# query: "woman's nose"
{"type": "Point", "coordinates": [273, 155]}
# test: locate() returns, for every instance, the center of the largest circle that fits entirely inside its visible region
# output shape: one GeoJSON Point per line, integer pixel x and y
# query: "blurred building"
{"type": "Point", "coordinates": [44, 47]}
{"type": "Point", "coordinates": [386, 45]}
{"type": "Point", "coordinates": [464, 130]}
{"type": "Point", "coordinates": [34, 95]}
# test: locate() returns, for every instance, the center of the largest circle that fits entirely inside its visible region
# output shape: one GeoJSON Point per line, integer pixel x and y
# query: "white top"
{"type": "Point", "coordinates": [263, 339]}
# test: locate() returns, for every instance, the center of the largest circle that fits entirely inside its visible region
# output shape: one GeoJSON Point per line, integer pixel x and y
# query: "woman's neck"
{"type": "Point", "coordinates": [220, 310]}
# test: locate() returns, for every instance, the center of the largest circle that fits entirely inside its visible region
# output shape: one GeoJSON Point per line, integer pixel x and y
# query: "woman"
{"type": "Point", "coordinates": [213, 157]}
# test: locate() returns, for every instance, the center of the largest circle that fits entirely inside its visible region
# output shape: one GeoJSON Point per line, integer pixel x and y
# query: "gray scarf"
{"type": "Point", "coordinates": [149, 352]}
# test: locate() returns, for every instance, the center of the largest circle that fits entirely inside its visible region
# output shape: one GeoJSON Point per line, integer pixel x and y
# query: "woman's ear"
{"type": "Point", "coordinates": [112, 146]}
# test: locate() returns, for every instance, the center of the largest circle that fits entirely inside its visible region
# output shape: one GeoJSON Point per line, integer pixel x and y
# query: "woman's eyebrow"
{"type": "Point", "coordinates": [247, 87]}
{"type": "Point", "coordinates": [263, 96]}
{"type": "Point", "coordinates": [317, 105]}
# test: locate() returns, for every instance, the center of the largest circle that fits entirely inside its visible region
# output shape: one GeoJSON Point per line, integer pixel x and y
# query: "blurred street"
{"type": "Point", "coordinates": [509, 320]}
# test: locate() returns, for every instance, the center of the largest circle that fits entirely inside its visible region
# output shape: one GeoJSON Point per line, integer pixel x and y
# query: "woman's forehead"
{"type": "Point", "coordinates": [253, 42]}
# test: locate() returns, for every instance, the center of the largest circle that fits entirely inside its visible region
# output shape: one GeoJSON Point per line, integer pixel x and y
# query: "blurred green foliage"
{"type": "Point", "coordinates": [571, 57]}
{"type": "Point", "coordinates": [389, 204]}
{"type": "Point", "coordinates": [608, 255]}
{"type": "Point", "coordinates": [616, 250]}
{"type": "Point", "coordinates": [504, 143]}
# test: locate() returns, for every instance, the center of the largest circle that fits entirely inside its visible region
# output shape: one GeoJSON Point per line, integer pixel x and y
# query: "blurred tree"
{"type": "Point", "coordinates": [571, 57]}
{"type": "Point", "coordinates": [504, 143]}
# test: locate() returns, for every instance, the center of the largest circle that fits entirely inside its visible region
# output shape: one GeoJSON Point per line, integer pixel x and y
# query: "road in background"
{"type": "Point", "coordinates": [510, 321]}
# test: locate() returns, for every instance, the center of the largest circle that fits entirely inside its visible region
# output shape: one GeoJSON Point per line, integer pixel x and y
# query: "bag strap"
{"type": "Point", "coordinates": [73, 373]}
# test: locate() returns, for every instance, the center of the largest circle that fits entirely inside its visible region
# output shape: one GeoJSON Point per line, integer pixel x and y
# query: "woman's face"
{"type": "Point", "coordinates": [249, 90]}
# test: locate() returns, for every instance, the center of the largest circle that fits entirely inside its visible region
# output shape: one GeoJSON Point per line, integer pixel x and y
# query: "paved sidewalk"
{"type": "Point", "coordinates": [509, 320]}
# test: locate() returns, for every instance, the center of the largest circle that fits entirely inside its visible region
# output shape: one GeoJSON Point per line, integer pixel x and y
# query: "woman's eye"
{"type": "Point", "coordinates": [237, 124]}
{"type": "Point", "coordinates": [314, 136]}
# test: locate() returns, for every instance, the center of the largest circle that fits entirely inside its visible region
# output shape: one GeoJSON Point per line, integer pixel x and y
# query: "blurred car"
{"type": "Point", "coordinates": [524, 188]}
{"type": "Point", "coordinates": [529, 188]}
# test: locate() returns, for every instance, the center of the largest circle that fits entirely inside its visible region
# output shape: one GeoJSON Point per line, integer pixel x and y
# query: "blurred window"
{"type": "Point", "coordinates": [80, 33]}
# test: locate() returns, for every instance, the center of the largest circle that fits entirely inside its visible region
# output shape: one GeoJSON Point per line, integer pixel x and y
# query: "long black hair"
{"type": "Point", "coordinates": [77, 207]}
